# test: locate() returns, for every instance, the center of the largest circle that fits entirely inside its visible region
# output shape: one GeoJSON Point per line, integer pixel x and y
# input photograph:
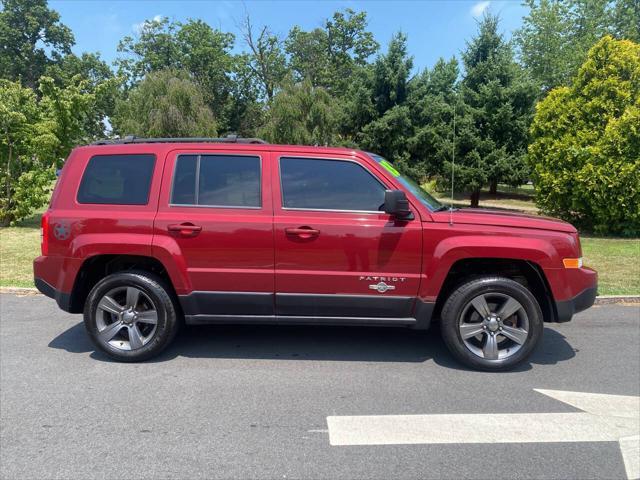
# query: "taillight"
{"type": "Point", "coordinates": [44, 234]}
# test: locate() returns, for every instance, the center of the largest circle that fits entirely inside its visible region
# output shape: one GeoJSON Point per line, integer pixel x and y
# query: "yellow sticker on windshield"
{"type": "Point", "coordinates": [389, 168]}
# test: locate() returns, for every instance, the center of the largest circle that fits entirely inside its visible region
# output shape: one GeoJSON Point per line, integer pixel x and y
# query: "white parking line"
{"type": "Point", "coordinates": [605, 418]}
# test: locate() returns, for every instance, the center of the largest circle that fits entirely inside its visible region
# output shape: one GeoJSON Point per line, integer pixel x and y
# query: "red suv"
{"type": "Point", "coordinates": [143, 234]}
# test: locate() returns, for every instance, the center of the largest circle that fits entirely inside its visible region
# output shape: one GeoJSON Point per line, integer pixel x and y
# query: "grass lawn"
{"type": "Point", "coordinates": [19, 245]}
{"type": "Point", "coordinates": [509, 198]}
{"type": "Point", "coordinates": [616, 260]}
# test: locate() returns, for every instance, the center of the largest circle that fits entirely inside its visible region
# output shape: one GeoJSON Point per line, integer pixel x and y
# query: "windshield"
{"type": "Point", "coordinates": [425, 198]}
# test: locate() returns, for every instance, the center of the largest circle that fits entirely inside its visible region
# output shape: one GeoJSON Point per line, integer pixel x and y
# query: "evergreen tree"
{"type": "Point", "coordinates": [431, 99]}
{"type": "Point", "coordinates": [390, 126]}
{"type": "Point", "coordinates": [499, 98]}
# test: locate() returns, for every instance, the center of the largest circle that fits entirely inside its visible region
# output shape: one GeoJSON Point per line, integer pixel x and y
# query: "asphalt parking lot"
{"type": "Point", "coordinates": [253, 402]}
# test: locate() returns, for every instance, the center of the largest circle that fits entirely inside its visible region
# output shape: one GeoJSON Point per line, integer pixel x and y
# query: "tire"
{"type": "Point", "coordinates": [489, 342]}
{"type": "Point", "coordinates": [130, 316]}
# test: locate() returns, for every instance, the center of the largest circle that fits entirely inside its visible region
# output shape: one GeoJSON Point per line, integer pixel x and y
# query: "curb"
{"type": "Point", "coordinates": [611, 299]}
{"type": "Point", "coordinates": [20, 290]}
{"type": "Point", "coordinates": [600, 300]}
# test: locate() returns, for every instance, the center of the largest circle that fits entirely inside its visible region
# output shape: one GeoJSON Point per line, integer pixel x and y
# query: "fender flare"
{"type": "Point", "coordinates": [463, 247]}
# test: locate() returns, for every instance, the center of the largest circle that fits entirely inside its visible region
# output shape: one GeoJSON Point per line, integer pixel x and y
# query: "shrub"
{"type": "Point", "coordinates": [585, 149]}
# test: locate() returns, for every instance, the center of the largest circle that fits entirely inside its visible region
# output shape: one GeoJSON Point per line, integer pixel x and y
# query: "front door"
{"type": "Point", "coordinates": [215, 219]}
{"type": "Point", "coordinates": [336, 254]}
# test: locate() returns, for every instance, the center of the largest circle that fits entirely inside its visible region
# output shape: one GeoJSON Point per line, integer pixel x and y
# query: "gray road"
{"type": "Point", "coordinates": [251, 402]}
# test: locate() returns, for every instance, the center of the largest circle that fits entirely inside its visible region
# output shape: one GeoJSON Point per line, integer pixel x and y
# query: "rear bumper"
{"type": "Point", "coordinates": [62, 299]}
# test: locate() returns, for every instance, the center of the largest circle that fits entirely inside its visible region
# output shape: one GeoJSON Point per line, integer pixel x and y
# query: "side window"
{"type": "Point", "coordinates": [329, 185]}
{"type": "Point", "coordinates": [117, 180]}
{"type": "Point", "coordinates": [217, 181]}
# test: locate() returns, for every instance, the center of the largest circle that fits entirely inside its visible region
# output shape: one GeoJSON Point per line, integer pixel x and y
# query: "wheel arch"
{"type": "Point", "coordinates": [527, 273]}
{"type": "Point", "coordinates": [96, 267]}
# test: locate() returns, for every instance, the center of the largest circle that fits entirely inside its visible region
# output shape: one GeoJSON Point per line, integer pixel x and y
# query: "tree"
{"type": "Point", "coordinates": [71, 112]}
{"type": "Point", "coordinates": [543, 43]}
{"type": "Point", "coordinates": [626, 20]}
{"type": "Point", "coordinates": [431, 100]}
{"type": "Point", "coordinates": [31, 38]}
{"type": "Point", "coordinates": [165, 104]}
{"type": "Point", "coordinates": [301, 114]}
{"type": "Point", "coordinates": [329, 55]}
{"type": "Point", "coordinates": [36, 135]}
{"type": "Point", "coordinates": [499, 98]}
{"type": "Point", "coordinates": [557, 34]}
{"type": "Point", "coordinates": [391, 73]}
{"type": "Point", "coordinates": [194, 47]}
{"type": "Point", "coordinates": [585, 148]}
{"type": "Point", "coordinates": [266, 60]}
{"type": "Point", "coordinates": [97, 78]}
{"type": "Point", "coordinates": [390, 125]}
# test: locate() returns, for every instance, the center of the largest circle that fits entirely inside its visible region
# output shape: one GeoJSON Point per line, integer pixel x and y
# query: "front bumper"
{"type": "Point", "coordinates": [565, 309]}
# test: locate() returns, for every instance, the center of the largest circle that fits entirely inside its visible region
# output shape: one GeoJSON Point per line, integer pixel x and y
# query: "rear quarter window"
{"type": "Point", "coordinates": [117, 180]}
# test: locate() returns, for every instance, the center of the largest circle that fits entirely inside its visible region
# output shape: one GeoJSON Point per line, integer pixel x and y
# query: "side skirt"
{"type": "Point", "coordinates": [304, 309]}
{"type": "Point", "coordinates": [296, 320]}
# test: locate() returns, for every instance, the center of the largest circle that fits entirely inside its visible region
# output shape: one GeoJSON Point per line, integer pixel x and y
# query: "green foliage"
{"type": "Point", "coordinates": [31, 192]}
{"type": "Point", "coordinates": [192, 47]}
{"type": "Point", "coordinates": [626, 20]}
{"type": "Point", "coordinates": [22, 133]}
{"type": "Point", "coordinates": [301, 114]}
{"type": "Point", "coordinates": [266, 59]}
{"type": "Point", "coordinates": [328, 56]}
{"type": "Point", "coordinates": [585, 149]}
{"type": "Point", "coordinates": [557, 34]}
{"type": "Point", "coordinates": [320, 86]}
{"type": "Point", "coordinates": [381, 93]}
{"type": "Point", "coordinates": [496, 105]}
{"type": "Point", "coordinates": [165, 104]}
{"type": "Point", "coordinates": [36, 135]}
{"type": "Point", "coordinates": [31, 38]}
{"type": "Point", "coordinates": [431, 99]}
{"type": "Point", "coordinates": [67, 111]}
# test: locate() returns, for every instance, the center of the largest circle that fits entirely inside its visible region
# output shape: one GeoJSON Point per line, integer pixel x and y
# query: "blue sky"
{"type": "Point", "coordinates": [434, 28]}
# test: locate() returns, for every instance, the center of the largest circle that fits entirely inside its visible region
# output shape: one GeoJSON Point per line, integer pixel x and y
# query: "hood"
{"type": "Point", "coordinates": [500, 218]}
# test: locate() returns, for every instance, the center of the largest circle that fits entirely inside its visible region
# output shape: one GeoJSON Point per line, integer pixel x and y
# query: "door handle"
{"type": "Point", "coordinates": [185, 229]}
{"type": "Point", "coordinates": [302, 232]}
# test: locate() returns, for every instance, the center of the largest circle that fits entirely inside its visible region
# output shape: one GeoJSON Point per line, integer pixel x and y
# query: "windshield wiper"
{"type": "Point", "coordinates": [442, 208]}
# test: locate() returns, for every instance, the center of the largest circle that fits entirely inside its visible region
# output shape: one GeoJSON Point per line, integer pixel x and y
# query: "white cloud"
{"type": "Point", "coordinates": [137, 27]}
{"type": "Point", "coordinates": [479, 8]}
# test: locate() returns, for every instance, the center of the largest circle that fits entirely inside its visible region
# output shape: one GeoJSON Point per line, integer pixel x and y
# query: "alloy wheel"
{"type": "Point", "coordinates": [126, 318]}
{"type": "Point", "coordinates": [494, 326]}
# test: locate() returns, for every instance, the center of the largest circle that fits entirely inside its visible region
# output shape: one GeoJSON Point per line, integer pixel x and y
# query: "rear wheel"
{"type": "Point", "coordinates": [130, 316]}
{"type": "Point", "coordinates": [491, 323]}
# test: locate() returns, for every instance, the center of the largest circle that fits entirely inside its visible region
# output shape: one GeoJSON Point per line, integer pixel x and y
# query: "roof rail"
{"type": "Point", "coordinates": [133, 139]}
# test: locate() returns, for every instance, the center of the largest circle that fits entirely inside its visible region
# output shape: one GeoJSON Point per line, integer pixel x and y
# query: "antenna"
{"type": "Point", "coordinates": [453, 158]}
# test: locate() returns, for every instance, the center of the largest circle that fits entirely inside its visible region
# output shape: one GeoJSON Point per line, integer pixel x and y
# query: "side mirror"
{"type": "Point", "coordinates": [396, 204]}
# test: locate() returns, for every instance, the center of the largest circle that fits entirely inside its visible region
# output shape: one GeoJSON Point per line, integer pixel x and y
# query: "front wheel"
{"type": "Point", "coordinates": [130, 316]}
{"type": "Point", "coordinates": [491, 323]}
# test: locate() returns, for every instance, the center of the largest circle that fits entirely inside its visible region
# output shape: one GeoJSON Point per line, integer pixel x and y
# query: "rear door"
{"type": "Point", "coordinates": [336, 254]}
{"type": "Point", "coordinates": [215, 222]}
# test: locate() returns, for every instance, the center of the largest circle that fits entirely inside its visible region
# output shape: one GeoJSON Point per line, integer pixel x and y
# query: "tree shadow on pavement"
{"type": "Point", "coordinates": [320, 343]}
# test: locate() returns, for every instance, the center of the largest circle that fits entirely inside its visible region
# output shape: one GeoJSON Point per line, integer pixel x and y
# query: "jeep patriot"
{"type": "Point", "coordinates": [144, 234]}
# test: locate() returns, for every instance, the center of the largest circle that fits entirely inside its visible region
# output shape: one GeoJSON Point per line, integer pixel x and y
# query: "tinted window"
{"type": "Point", "coordinates": [184, 180]}
{"type": "Point", "coordinates": [329, 185]}
{"type": "Point", "coordinates": [117, 180]}
{"type": "Point", "coordinates": [217, 181]}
